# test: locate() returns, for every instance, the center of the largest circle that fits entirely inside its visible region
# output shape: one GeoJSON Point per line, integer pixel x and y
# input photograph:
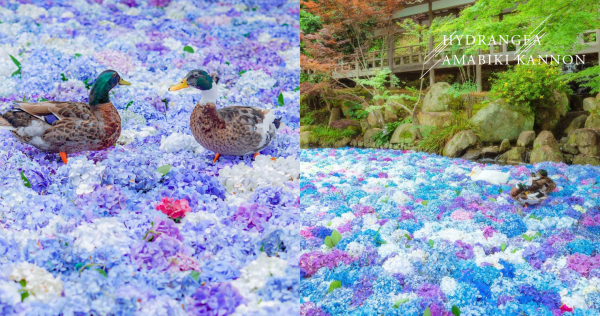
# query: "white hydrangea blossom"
{"type": "Point", "coordinates": [41, 284]}
{"type": "Point", "coordinates": [241, 181]}
{"type": "Point", "coordinates": [9, 292]}
{"type": "Point", "coordinates": [448, 285]}
{"type": "Point", "coordinates": [173, 44]}
{"type": "Point", "coordinates": [252, 81]}
{"type": "Point", "coordinates": [31, 11]}
{"type": "Point", "coordinates": [102, 232]}
{"type": "Point", "coordinates": [129, 135]}
{"type": "Point", "coordinates": [291, 58]}
{"type": "Point", "coordinates": [355, 249]}
{"type": "Point", "coordinates": [178, 142]}
{"type": "Point", "coordinates": [398, 264]}
{"type": "Point", "coordinates": [255, 276]}
{"type": "Point", "coordinates": [84, 174]}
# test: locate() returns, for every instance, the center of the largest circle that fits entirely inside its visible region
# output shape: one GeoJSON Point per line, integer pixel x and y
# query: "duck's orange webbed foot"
{"type": "Point", "coordinates": [216, 157]}
{"type": "Point", "coordinates": [63, 156]}
{"type": "Point", "coordinates": [272, 158]}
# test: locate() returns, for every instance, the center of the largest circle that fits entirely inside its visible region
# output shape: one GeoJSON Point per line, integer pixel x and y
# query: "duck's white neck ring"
{"type": "Point", "coordinates": [210, 96]}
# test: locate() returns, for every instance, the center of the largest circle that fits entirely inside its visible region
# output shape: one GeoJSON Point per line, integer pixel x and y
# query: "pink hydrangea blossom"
{"type": "Point", "coordinates": [175, 209]}
{"type": "Point", "coordinates": [461, 215]}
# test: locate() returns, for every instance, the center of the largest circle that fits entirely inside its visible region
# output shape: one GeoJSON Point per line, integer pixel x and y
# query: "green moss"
{"type": "Point", "coordinates": [326, 136]}
{"type": "Point", "coordinates": [435, 138]}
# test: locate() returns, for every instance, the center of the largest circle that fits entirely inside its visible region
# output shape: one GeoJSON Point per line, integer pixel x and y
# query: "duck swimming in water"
{"type": "Point", "coordinates": [232, 130]}
{"type": "Point", "coordinates": [69, 127]}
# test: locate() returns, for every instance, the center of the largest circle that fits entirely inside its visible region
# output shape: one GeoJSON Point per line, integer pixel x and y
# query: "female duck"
{"type": "Point", "coordinates": [234, 130]}
{"type": "Point", "coordinates": [69, 127]}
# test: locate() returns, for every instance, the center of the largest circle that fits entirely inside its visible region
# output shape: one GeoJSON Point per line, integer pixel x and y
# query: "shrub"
{"type": "Point", "coordinates": [326, 136]}
{"type": "Point", "coordinates": [529, 88]}
{"type": "Point", "coordinates": [386, 133]}
{"type": "Point", "coordinates": [435, 138]}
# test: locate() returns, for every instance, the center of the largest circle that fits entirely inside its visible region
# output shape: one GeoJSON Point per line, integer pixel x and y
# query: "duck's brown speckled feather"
{"type": "Point", "coordinates": [230, 130]}
{"type": "Point", "coordinates": [80, 127]}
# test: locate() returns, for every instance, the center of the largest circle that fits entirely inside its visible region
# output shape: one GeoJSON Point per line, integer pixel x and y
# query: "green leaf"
{"type": "Point", "coordinates": [334, 285]}
{"type": "Point", "coordinates": [296, 89]}
{"type": "Point", "coordinates": [246, 35]}
{"type": "Point", "coordinates": [336, 237]}
{"type": "Point", "coordinates": [328, 242]}
{"type": "Point", "coordinates": [128, 105]}
{"type": "Point", "coordinates": [500, 192]}
{"type": "Point", "coordinates": [502, 247]}
{"type": "Point", "coordinates": [15, 61]}
{"type": "Point", "coordinates": [400, 302]}
{"type": "Point", "coordinates": [262, 248]}
{"type": "Point", "coordinates": [87, 85]}
{"type": "Point", "coordinates": [241, 72]}
{"type": "Point", "coordinates": [18, 72]}
{"type": "Point", "coordinates": [424, 202]}
{"type": "Point", "coordinates": [430, 242]}
{"type": "Point", "coordinates": [407, 236]}
{"type": "Point", "coordinates": [77, 55]}
{"type": "Point", "coordinates": [25, 180]}
{"type": "Point", "coordinates": [195, 275]}
{"type": "Point", "coordinates": [43, 99]}
{"type": "Point", "coordinates": [492, 199]}
{"type": "Point", "coordinates": [280, 101]}
{"type": "Point", "coordinates": [455, 310]}
{"type": "Point", "coordinates": [63, 78]}
{"type": "Point", "coordinates": [188, 49]}
{"type": "Point", "coordinates": [427, 312]}
{"type": "Point", "coordinates": [79, 265]}
{"type": "Point", "coordinates": [101, 271]}
{"type": "Point", "coordinates": [23, 283]}
{"type": "Point", "coordinates": [535, 217]}
{"type": "Point", "coordinates": [24, 295]}
{"type": "Point", "coordinates": [457, 192]}
{"type": "Point", "coordinates": [227, 63]}
{"type": "Point", "coordinates": [164, 169]}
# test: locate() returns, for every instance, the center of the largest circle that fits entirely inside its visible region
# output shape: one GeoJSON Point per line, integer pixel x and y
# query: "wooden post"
{"type": "Point", "coordinates": [432, 71]}
{"type": "Point", "coordinates": [478, 77]}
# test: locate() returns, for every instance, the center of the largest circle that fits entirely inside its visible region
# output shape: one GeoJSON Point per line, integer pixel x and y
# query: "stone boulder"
{"type": "Point", "coordinates": [305, 138]}
{"type": "Point", "coordinates": [404, 134]}
{"type": "Point", "coordinates": [550, 117]}
{"type": "Point", "coordinates": [504, 146]}
{"type": "Point", "coordinates": [335, 115]}
{"type": "Point", "coordinates": [589, 104]}
{"type": "Point", "coordinates": [368, 141]}
{"type": "Point", "coordinates": [437, 119]}
{"type": "Point", "coordinates": [526, 138]}
{"type": "Point", "coordinates": [390, 113]}
{"type": "Point", "coordinates": [585, 141]}
{"type": "Point", "coordinates": [436, 99]}
{"type": "Point", "coordinates": [342, 142]}
{"type": "Point", "coordinates": [375, 118]}
{"type": "Point", "coordinates": [498, 121]}
{"type": "Point", "coordinates": [515, 155]}
{"type": "Point", "coordinates": [576, 123]}
{"type": "Point", "coordinates": [586, 160]}
{"type": "Point", "coordinates": [459, 143]}
{"type": "Point", "coordinates": [545, 148]}
{"type": "Point", "coordinates": [593, 121]}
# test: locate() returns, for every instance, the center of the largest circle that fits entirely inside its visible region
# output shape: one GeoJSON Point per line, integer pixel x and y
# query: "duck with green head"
{"type": "Point", "coordinates": [232, 130]}
{"type": "Point", "coordinates": [69, 127]}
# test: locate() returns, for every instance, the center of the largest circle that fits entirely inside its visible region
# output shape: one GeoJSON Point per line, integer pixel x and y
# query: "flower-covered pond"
{"type": "Point", "coordinates": [94, 237]}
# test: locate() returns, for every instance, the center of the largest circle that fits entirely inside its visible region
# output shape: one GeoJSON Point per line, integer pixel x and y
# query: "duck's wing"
{"type": "Point", "coordinates": [258, 125]}
{"type": "Point", "coordinates": [61, 110]}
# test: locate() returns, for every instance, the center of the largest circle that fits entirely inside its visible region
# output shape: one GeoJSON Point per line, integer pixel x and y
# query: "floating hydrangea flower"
{"type": "Point", "coordinates": [175, 209]}
{"type": "Point", "coordinates": [178, 141]}
{"type": "Point", "coordinates": [215, 300]}
{"type": "Point", "coordinates": [39, 283]}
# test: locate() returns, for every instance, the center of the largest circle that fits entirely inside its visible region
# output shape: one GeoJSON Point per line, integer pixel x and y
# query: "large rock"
{"type": "Point", "coordinates": [342, 142]}
{"type": "Point", "coordinates": [549, 117]}
{"type": "Point", "coordinates": [336, 115]}
{"type": "Point", "coordinates": [498, 121]}
{"type": "Point", "coordinates": [437, 119]}
{"type": "Point", "coordinates": [576, 123]}
{"type": "Point", "coordinates": [459, 143]}
{"type": "Point", "coordinates": [305, 138]}
{"type": "Point", "coordinates": [390, 113]}
{"type": "Point", "coordinates": [504, 146]}
{"type": "Point", "coordinates": [404, 134]}
{"type": "Point", "coordinates": [589, 104]}
{"type": "Point", "coordinates": [586, 160]}
{"type": "Point", "coordinates": [545, 148]}
{"type": "Point", "coordinates": [436, 100]}
{"type": "Point", "coordinates": [593, 121]}
{"type": "Point", "coordinates": [369, 142]}
{"type": "Point", "coordinates": [526, 138]}
{"type": "Point", "coordinates": [515, 155]}
{"type": "Point", "coordinates": [375, 118]}
{"type": "Point", "coordinates": [585, 140]}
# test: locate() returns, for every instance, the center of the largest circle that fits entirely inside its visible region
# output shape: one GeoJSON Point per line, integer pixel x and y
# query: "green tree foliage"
{"type": "Point", "coordinates": [529, 87]}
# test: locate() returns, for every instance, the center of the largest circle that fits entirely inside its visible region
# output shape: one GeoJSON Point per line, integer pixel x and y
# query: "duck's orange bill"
{"type": "Point", "coordinates": [182, 85]}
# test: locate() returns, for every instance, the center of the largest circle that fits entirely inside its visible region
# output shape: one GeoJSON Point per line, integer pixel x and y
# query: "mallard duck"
{"type": "Point", "coordinates": [69, 127]}
{"type": "Point", "coordinates": [491, 176]}
{"type": "Point", "coordinates": [537, 192]}
{"type": "Point", "coordinates": [233, 130]}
